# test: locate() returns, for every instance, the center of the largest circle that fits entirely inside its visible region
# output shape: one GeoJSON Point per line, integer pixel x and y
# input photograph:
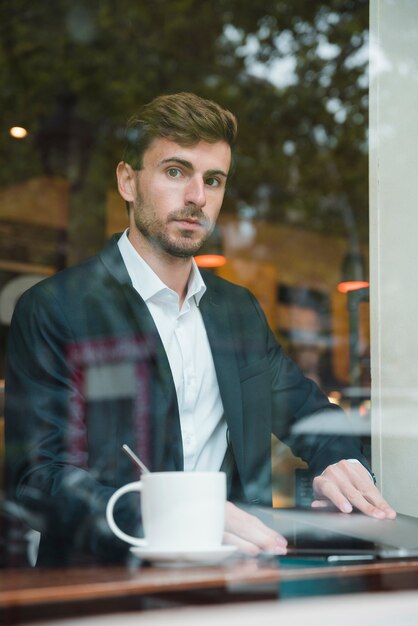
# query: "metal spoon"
{"type": "Point", "coordinates": [133, 456]}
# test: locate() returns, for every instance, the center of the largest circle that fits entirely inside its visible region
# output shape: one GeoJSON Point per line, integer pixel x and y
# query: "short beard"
{"type": "Point", "coordinates": [154, 230]}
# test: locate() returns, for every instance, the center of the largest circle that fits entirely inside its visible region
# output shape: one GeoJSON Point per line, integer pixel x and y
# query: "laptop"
{"type": "Point", "coordinates": [338, 537]}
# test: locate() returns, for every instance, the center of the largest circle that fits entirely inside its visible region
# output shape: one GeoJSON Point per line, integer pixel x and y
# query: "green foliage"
{"type": "Point", "coordinates": [86, 66]}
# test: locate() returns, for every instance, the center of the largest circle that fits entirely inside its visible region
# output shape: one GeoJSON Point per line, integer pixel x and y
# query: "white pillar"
{"type": "Point", "coordinates": [394, 248]}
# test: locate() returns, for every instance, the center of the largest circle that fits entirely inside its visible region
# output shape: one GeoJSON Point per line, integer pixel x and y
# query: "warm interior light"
{"type": "Point", "coordinates": [335, 397]}
{"type": "Point", "coordinates": [351, 285]}
{"type": "Point", "coordinates": [353, 273]}
{"type": "Point", "coordinates": [18, 132]}
{"type": "Point", "coordinates": [210, 260]}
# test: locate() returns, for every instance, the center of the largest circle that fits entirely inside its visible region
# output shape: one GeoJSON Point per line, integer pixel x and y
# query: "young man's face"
{"type": "Point", "coordinates": [178, 193]}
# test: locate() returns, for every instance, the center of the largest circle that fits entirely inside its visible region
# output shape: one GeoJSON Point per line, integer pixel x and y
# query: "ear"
{"type": "Point", "coordinates": [126, 181]}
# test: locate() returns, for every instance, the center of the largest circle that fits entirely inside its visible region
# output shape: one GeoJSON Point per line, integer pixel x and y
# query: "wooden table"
{"type": "Point", "coordinates": [36, 587]}
{"type": "Point", "coordinates": [28, 594]}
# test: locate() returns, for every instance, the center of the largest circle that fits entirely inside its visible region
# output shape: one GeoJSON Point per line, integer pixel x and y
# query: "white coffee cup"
{"type": "Point", "coordinates": [180, 510]}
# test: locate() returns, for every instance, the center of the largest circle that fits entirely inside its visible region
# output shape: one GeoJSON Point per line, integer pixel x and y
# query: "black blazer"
{"type": "Point", "coordinates": [87, 372]}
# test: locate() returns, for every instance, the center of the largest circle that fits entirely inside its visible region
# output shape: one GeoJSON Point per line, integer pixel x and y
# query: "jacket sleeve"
{"type": "Point", "coordinates": [302, 416]}
{"type": "Point", "coordinates": [50, 482]}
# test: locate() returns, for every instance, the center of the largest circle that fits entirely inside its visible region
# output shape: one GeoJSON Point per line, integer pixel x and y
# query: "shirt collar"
{"type": "Point", "coordinates": [146, 281]}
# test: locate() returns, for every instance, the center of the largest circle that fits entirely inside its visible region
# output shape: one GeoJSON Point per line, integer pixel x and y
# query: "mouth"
{"type": "Point", "coordinates": [189, 223]}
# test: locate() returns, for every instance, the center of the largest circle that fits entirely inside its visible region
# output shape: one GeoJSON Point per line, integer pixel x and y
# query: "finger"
{"type": "Point", "coordinates": [368, 501]}
{"type": "Point", "coordinates": [243, 546]}
{"type": "Point", "coordinates": [246, 547]}
{"type": "Point", "coordinates": [323, 504]}
{"type": "Point", "coordinates": [347, 485]}
{"type": "Point", "coordinates": [359, 501]}
{"type": "Point", "coordinates": [330, 491]}
{"type": "Point", "coordinates": [329, 506]}
{"type": "Point", "coordinates": [370, 492]}
{"type": "Point", "coordinates": [359, 489]}
{"type": "Point", "coordinates": [250, 529]}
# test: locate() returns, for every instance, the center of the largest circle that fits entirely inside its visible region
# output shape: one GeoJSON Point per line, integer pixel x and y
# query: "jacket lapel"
{"type": "Point", "coordinates": [166, 442]}
{"type": "Point", "coordinates": [218, 327]}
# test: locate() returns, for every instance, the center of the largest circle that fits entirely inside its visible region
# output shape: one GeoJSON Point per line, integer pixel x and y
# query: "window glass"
{"type": "Point", "coordinates": [294, 222]}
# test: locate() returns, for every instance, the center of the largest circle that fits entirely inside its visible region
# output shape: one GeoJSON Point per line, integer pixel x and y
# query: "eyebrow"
{"type": "Point", "coordinates": [189, 166]}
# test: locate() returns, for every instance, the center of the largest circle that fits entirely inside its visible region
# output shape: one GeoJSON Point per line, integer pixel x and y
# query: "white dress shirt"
{"type": "Point", "coordinates": [183, 333]}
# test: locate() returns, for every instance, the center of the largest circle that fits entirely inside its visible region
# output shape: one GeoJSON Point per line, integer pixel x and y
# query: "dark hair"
{"type": "Point", "coordinates": [182, 117]}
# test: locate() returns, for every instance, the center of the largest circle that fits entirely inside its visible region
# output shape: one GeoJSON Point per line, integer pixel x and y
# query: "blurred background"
{"type": "Point", "coordinates": [295, 223]}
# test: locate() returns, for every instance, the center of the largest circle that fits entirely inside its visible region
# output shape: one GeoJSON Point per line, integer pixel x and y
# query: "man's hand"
{"type": "Point", "coordinates": [249, 534]}
{"type": "Point", "coordinates": [348, 485]}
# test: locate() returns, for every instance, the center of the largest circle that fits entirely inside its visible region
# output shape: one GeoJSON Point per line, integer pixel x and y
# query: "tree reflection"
{"type": "Point", "coordinates": [294, 73]}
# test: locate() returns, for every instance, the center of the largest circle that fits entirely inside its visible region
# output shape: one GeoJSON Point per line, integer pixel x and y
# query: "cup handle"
{"type": "Point", "coordinates": [135, 541]}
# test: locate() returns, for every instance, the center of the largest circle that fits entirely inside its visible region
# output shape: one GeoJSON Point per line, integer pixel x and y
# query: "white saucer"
{"type": "Point", "coordinates": [174, 556]}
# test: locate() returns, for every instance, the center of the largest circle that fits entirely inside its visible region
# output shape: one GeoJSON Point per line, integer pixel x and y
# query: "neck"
{"type": "Point", "coordinates": [173, 271]}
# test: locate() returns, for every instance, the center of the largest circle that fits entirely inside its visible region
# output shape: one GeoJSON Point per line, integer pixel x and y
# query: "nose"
{"type": "Point", "coordinates": [195, 192]}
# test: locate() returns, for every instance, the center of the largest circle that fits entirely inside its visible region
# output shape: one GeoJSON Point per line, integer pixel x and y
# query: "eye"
{"type": "Point", "coordinates": [213, 182]}
{"type": "Point", "coordinates": [174, 172]}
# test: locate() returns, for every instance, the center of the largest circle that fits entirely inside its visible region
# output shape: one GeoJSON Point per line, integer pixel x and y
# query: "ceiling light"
{"type": "Point", "coordinates": [18, 132]}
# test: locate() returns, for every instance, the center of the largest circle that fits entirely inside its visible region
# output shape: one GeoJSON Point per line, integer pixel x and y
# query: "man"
{"type": "Point", "coordinates": [136, 346]}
